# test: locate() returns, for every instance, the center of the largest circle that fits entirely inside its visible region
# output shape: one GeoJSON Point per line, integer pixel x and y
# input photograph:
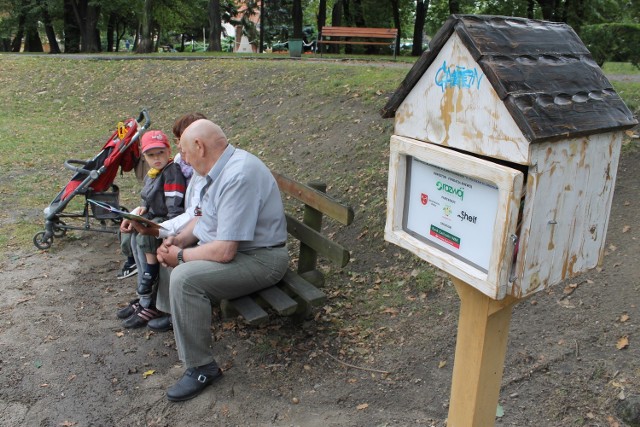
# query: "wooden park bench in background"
{"type": "Point", "coordinates": [363, 36]}
{"type": "Point", "coordinates": [299, 290]}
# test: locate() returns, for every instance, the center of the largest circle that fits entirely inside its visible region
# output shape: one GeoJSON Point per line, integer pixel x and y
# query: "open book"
{"type": "Point", "coordinates": [125, 214]}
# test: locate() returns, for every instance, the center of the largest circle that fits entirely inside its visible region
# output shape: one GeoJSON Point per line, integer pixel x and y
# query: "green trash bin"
{"type": "Point", "coordinates": [295, 48]}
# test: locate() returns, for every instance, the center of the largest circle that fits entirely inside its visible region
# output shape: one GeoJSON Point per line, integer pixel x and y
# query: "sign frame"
{"type": "Point", "coordinates": [494, 281]}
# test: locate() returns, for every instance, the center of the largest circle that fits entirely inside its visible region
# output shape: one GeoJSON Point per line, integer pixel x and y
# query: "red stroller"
{"type": "Point", "coordinates": [94, 179]}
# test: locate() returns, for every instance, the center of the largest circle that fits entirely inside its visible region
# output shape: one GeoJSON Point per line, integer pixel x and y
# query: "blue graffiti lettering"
{"type": "Point", "coordinates": [457, 76]}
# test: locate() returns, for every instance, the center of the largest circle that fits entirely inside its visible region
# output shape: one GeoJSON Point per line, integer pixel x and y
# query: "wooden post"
{"type": "Point", "coordinates": [313, 218]}
{"type": "Point", "coordinates": [483, 329]}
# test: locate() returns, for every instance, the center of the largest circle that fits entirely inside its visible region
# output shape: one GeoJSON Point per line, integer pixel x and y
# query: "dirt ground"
{"type": "Point", "coordinates": [65, 359]}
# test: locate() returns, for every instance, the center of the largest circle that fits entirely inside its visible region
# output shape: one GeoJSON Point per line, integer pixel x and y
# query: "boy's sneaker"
{"type": "Point", "coordinates": [141, 317]}
{"type": "Point", "coordinates": [127, 311]}
{"type": "Point", "coordinates": [128, 270]}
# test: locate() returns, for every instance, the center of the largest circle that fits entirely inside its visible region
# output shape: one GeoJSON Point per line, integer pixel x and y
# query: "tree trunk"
{"type": "Point", "coordinates": [86, 14]}
{"type": "Point", "coordinates": [454, 7]}
{"type": "Point", "coordinates": [548, 8]}
{"type": "Point", "coordinates": [346, 12]}
{"type": "Point", "coordinates": [321, 17]}
{"type": "Point", "coordinates": [48, 28]}
{"type": "Point", "coordinates": [146, 44]}
{"type": "Point", "coordinates": [16, 45]}
{"type": "Point", "coordinates": [215, 24]}
{"type": "Point", "coordinates": [32, 41]}
{"type": "Point", "coordinates": [71, 29]}
{"type": "Point", "coordinates": [530, 8]}
{"type": "Point", "coordinates": [111, 23]}
{"type": "Point", "coordinates": [395, 6]}
{"type": "Point", "coordinates": [296, 13]}
{"type": "Point", "coordinates": [358, 14]}
{"type": "Point", "coordinates": [336, 21]}
{"type": "Point", "coordinates": [418, 27]}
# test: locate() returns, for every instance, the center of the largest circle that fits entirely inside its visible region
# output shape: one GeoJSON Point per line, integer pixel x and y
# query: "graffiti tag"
{"type": "Point", "coordinates": [457, 76]}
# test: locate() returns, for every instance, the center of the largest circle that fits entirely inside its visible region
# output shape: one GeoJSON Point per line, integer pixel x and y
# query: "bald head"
{"type": "Point", "coordinates": [203, 143]}
{"type": "Point", "coordinates": [206, 131]}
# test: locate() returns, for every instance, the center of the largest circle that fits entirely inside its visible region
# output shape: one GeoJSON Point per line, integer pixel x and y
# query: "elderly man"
{"type": "Point", "coordinates": [234, 246]}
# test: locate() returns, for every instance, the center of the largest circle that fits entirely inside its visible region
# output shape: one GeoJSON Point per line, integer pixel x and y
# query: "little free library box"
{"type": "Point", "coordinates": [504, 155]}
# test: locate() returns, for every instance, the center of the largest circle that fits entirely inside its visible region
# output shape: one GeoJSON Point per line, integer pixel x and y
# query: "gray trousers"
{"type": "Point", "coordinates": [188, 291]}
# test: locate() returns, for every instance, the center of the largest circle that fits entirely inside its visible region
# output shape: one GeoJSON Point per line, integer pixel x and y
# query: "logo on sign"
{"type": "Point", "coordinates": [466, 217]}
{"type": "Point", "coordinates": [441, 186]}
{"type": "Point", "coordinates": [447, 210]}
{"type": "Point", "coordinates": [424, 198]}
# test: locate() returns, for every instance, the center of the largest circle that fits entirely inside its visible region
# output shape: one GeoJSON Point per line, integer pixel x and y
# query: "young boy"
{"type": "Point", "coordinates": [162, 199]}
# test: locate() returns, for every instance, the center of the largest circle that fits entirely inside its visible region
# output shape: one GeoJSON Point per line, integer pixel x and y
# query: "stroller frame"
{"type": "Point", "coordinates": [56, 227]}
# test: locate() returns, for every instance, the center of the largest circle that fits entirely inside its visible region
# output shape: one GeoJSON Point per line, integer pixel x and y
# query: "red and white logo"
{"type": "Point", "coordinates": [424, 198]}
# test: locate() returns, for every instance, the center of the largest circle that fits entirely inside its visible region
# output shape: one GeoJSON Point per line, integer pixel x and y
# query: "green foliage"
{"type": "Point", "coordinates": [630, 93]}
{"type": "Point", "coordinates": [613, 42]}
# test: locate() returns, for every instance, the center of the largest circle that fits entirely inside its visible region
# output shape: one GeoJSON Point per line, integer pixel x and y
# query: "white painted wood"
{"type": "Point", "coordinates": [471, 117]}
{"type": "Point", "coordinates": [494, 282]}
{"type": "Point", "coordinates": [566, 213]}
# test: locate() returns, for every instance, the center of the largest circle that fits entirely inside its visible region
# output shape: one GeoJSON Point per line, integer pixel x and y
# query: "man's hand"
{"type": "Point", "coordinates": [167, 253]}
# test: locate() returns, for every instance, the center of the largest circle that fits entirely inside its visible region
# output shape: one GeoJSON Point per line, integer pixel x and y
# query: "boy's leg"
{"type": "Point", "coordinates": [129, 267]}
{"type": "Point", "coordinates": [149, 275]}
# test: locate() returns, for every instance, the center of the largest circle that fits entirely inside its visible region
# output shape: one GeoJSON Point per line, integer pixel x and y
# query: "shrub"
{"type": "Point", "coordinates": [613, 42]}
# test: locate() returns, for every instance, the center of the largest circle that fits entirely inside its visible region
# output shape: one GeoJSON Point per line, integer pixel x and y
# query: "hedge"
{"type": "Point", "coordinates": [614, 42]}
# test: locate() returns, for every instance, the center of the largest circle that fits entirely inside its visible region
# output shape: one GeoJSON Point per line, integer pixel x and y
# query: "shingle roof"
{"type": "Point", "coordinates": [541, 70]}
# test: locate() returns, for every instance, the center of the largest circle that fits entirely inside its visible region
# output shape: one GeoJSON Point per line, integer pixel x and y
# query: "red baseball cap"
{"type": "Point", "coordinates": [154, 139]}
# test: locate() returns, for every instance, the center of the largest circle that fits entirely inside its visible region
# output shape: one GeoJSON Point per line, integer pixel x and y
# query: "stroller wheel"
{"type": "Point", "coordinates": [41, 242]}
{"type": "Point", "coordinates": [58, 231]}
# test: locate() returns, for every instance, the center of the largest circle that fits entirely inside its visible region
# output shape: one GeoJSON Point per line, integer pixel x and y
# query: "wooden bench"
{"type": "Point", "coordinates": [299, 290]}
{"type": "Point", "coordinates": [391, 34]}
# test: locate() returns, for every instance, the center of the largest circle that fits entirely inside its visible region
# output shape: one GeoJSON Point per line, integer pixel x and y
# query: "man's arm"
{"type": "Point", "coordinates": [220, 251]}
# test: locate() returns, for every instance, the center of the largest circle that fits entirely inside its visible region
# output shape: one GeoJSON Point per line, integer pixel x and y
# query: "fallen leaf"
{"type": "Point", "coordinates": [442, 364]}
{"type": "Point", "coordinates": [621, 395]}
{"type": "Point", "coordinates": [626, 228]}
{"type": "Point", "coordinates": [568, 290]}
{"type": "Point", "coordinates": [362, 406]}
{"type": "Point", "coordinates": [566, 303]}
{"type": "Point", "coordinates": [119, 334]}
{"type": "Point", "coordinates": [590, 415]}
{"type": "Point", "coordinates": [613, 248]}
{"type": "Point", "coordinates": [624, 318]}
{"type": "Point", "coordinates": [392, 311]}
{"type": "Point", "coordinates": [44, 385]}
{"type": "Point", "coordinates": [612, 422]}
{"type": "Point", "coordinates": [67, 424]}
{"type": "Point", "coordinates": [150, 372]}
{"type": "Point", "coordinates": [622, 343]}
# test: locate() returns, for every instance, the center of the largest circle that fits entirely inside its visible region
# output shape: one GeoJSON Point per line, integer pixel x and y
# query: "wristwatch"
{"type": "Point", "coordinates": [180, 259]}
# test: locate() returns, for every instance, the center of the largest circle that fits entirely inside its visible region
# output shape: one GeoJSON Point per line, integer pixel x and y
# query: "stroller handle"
{"type": "Point", "coordinates": [69, 164]}
{"type": "Point", "coordinates": [144, 115]}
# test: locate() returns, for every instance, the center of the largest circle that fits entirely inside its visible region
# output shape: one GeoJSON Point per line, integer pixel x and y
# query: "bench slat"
{"type": "Point", "coordinates": [316, 199]}
{"type": "Point", "coordinates": [305, 290]}
{"type": "Point", "coordinates": [322, 245]}
{"type": "Point", "coordinates": [359, 32]}
{"type": "Point", "coordinates": [352, 42]}
{"type": "Point", "coordinates": [279, 300]}
{"type": "Point", "coordinates": [250, 310]}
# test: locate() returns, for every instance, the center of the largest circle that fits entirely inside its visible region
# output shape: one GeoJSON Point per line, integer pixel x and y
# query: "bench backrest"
{"type": "Point", "coordinates": [317, 204]}
{"type": "Point", "coordinates": [383, 33]}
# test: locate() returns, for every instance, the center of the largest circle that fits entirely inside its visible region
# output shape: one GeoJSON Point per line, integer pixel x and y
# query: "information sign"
{"type": "Point", "coordinates": [453, 211]}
